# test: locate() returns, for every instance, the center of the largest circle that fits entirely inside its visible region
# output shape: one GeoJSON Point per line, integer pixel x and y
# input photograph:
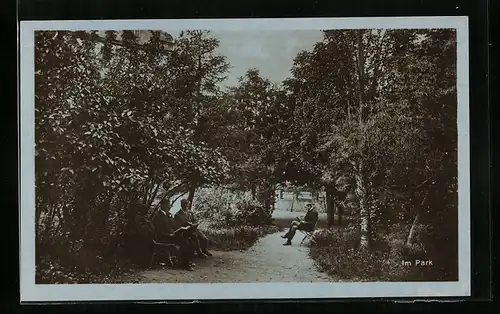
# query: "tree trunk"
{"type": "Point", "coordinates": [361, 68]}
{"type": "Point", "coordinates": [193, 184]}
{"type": "Point", "coordinates": [412, 230]}
{"type": "Point", "coordinates": [330, 206]}
{"type": "Point", "coordinates": [265, 198]}
{"type": "Point", "coordinates": [361, 181]}
{"type": "Point", "coordinates": [169, 193]}
{"type": "Point", "coordinates": [267, 195]}
{"type": "Point", "coordinates": [364, 209]}
{"type": "Point", "coordinates": [416, 221]}
{"type": "Point", "coordinates": [340, 213]}
{"type": "Point", "coordinates": [102, 216]}
{"type": "Point", "coordinates": [171, 203]}
{"type": "Point", "coordinates": [192, 190]}
{"type": "Point", "coordinates": [274, 198]}
{"type": "Point", "coordinates": [78, 220]}
{"type": "Point", "coordinates": [325, 202]}
{"type": "Point", "coordinates": [38, 215]}
{"type": "Point", "coordinates": [296, 194]}
{"type": "Point", "coordinates": [153, 196]}
{"type": "Point", "coordinates": [340, 197]}
{"type": "Point", "coordinates": [83, 197]}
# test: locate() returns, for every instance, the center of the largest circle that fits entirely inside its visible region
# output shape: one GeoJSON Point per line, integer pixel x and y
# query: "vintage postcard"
{"type": "Point", "coordinates": [244, 159]}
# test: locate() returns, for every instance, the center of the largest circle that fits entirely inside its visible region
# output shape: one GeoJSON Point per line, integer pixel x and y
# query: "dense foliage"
{"type": "Point", "coordinates": [366, 113]}
{"type": "Point", "coordinates": [393, 137]}
{"type": "Point", "coordinates": [221, 207]}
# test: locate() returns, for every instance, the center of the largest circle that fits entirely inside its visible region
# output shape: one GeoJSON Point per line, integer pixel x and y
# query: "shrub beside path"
{"type": "Point", "coordinates": [266, 261]}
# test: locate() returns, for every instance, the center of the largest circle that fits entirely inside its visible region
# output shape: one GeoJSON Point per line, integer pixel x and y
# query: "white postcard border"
{"type": "Point", "coordinates": [103, 292]}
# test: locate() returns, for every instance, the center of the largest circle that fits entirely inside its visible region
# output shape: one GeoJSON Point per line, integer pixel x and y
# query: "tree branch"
{"type": "Point", "coordinates": [168, 194]}
{"type": "Point", "coordinates": [423, 183]}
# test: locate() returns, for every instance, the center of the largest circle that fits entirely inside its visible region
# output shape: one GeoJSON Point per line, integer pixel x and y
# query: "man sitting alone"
{"type": "Point", "coordinates": [184, 217]}
{"type": "Point", "coordinates": [305, 224]}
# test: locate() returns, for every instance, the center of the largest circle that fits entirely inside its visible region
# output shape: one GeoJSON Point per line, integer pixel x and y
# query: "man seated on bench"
{"type": "Point", "coordinates": [304, 224]}
{"type": "Point", "coordinates": [167, 233]}
{"type": "Point", "coordinates": [184, 217]}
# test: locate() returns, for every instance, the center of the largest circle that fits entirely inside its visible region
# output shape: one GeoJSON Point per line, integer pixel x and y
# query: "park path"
{"type": "Point", "coordinates": [266, 261]}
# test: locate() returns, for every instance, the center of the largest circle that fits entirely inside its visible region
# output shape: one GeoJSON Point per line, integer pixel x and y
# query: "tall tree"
{"type": "Point", "coordinates": [257, 108]}
{"type": "Point", "coordinates": [200, 69]}
{"type": "Point", "coordinates": [351, 78]}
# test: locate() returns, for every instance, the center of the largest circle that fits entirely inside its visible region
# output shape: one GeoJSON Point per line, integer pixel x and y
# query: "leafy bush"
{"type": "Point", "coordinates": [223, 208]}
{"type": "Point", "coordinates": [236, 238]}
{"type": "Point", "coordinates": [80, 267]}
{"type": "Point", "coordinates": [251, 212]}
{"type": "Point", "coordinates": [213, 205]}
{"type": "Point", "coordinates": [231, 220]}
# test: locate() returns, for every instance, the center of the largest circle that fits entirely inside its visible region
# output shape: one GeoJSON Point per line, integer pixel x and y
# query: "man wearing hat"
{"type": "Point", "coordinates": [185, 217]}
{"type": "Point", "coordinates": [307, 223]}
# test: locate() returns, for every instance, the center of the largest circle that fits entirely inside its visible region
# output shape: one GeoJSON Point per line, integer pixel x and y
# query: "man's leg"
{"type": "Point", "coordinates": [291, 234]}
{"type": "Point", "coordinates": [186, 253]}
{"type": "Point", "coordinates": [191, 243]}
{"type": "Point", "coordinates": [293, 225]}
{"type": "Point", "coordinates": [304, 226]}
{"type": "Point", "coordinates": [197, 246]}
{"type": "Point", "coordinates": [203, 240]}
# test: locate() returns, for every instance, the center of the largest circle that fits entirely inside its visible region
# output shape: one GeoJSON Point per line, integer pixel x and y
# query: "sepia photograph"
{"type": "Point", "coordinates": [250, 152]}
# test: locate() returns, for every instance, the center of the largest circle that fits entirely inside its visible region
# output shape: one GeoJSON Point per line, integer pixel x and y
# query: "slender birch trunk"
{"type": "Point", "coordinates": [364, 208]}
{"type": "Point", "coordinates": [362, 188]}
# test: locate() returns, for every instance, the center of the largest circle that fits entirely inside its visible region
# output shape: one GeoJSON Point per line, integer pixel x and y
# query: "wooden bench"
{"type": "Point", "coordinates": [309, 234]}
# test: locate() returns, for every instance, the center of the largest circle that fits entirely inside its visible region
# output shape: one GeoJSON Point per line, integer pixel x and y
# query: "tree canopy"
{"type": "Point", "coordinates": [372, 112]}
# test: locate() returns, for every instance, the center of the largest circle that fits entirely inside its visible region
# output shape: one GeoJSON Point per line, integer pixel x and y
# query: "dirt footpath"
{"type": "Point", "coordinates": [267, 261]}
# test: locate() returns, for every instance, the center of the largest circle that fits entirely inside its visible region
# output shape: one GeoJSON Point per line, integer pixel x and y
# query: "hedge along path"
{"type": "Point", "coordinates": [266, 261]}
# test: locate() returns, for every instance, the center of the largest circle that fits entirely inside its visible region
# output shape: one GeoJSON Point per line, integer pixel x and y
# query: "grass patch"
{"type": "Point", "coordinates": [337, 253]}
{"type": "Point", "coordinates": [53, 270]}
{"type": "Point", "coordinates": [237, 238]}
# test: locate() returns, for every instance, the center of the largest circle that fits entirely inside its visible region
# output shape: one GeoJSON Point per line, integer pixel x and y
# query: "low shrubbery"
{"type": "Point", "coordinates": [232, 220]}
{"type": "Point", "coordinates": [90, 269]}
{"type": "Point", "coordinates": [222, 208]}
{"type": "Point", "coordinates": [236, 238]}
{"type": "Point", "coordinates": [337, 253]}
{"type": "Point", "coordinates": [93, 262]}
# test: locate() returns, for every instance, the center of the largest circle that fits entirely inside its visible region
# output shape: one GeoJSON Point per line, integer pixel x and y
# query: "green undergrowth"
{"type": "Point", "coordinates": [237, 238]}
{"type": "Point", "coordinates": [337, 253]}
